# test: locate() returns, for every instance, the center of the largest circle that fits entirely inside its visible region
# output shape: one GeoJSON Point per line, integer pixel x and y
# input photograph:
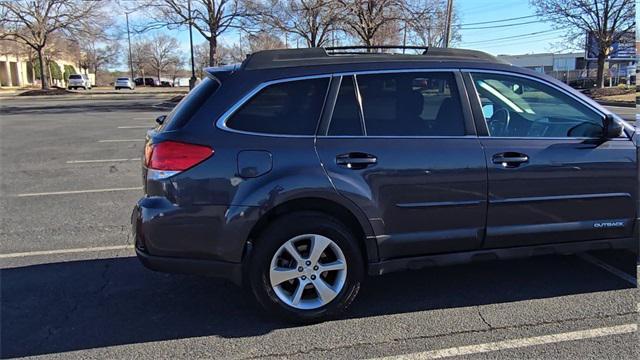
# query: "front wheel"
{"type": "Point", "coordinates": [306, 267]}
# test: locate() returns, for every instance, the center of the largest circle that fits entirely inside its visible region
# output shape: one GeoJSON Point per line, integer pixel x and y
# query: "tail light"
{"type": "Point", "coordinates": [168, 158]}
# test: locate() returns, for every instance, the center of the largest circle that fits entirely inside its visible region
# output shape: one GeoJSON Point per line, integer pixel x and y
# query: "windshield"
{"type": "Point", "coordinates": [75, 77]}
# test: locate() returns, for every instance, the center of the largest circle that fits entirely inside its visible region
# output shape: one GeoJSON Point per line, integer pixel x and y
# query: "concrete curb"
{"type": "Point", "coordinates": [617, 103]}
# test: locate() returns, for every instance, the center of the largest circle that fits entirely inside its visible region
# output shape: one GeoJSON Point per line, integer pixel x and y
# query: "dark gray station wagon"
{"type": "Point", "coordinates": [299, 171]}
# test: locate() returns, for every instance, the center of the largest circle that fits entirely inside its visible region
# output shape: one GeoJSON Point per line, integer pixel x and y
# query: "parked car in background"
{"type": "Point", "coordinates": [300, 171]}
{"type": "Point", "coordinates": [148, 81]}
{"type": "Point", "coordinates": [79, 81]}
{"type": "Point", "coordinates": [182, 82]}
{"type": "Point", "coordinates": [166, 83]}
{"type": "Point", "coordinates": [124, 83]}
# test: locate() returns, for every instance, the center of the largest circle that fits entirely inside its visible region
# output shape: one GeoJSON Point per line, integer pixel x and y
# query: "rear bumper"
{"type": "Point", "coordinates": [196, 239]}
{"type": "Point", "coordinates": [221, 269]}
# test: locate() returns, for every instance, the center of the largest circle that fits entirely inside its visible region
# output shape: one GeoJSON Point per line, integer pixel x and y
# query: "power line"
{"type": "Point", "coordinates": [505, 25]}
{"type": "Point", "coordinates": [498, 21]}
{"type": "Point", "coordinates": [513, 36]}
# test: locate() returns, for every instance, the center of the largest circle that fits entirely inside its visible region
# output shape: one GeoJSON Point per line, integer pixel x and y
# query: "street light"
{"type": "Point", "coordinates": [129, 38]}
{"type": "Point", "coordinates": [192, 81]}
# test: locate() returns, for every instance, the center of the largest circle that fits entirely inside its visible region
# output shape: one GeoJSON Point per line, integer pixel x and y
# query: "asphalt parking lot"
{"type": "Point", "coordinates": [71, 287]}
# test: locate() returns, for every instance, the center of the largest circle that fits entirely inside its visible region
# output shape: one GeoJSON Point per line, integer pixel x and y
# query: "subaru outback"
{"type": "Point", "coordinates": [299, 172]}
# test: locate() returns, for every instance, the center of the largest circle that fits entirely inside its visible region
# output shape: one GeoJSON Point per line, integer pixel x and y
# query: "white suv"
{"type": "Point", "coordinates": [124, 83]}
{"type": "Point", "coordinates": [79, 81]}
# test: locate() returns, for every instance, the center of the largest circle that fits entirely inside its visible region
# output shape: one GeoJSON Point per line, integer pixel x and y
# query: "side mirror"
{"type": "Point", "coordinates": [517, 88]}
{"type": "Point", "coordinates": [612, 128]}
{"type": "Point", "coordinates": [160, 119]}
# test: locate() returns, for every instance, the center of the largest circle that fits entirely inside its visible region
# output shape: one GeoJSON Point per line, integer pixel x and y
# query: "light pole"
{"type": "Point", "coordinates": [192, 81]}
{"type": "Point", "coordinates": [447, 30]}
{"type": "Point", "coordinates": [129, 37]}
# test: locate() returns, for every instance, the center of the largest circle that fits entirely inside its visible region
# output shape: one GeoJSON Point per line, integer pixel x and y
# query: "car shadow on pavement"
{"type": "Point", "coordinates": [58, 307]}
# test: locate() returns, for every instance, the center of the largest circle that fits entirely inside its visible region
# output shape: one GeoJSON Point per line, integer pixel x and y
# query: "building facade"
{"type": "Point", "coordinates": [574, 68]}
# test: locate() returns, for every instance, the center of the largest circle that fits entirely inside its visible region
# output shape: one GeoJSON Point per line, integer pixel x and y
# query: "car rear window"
{"type": "Point", "coordinates": [123, 79]}
{"type": "Point", "coordinates": [286, 108]}
{"type": "Point", "coordinates": [75, 76]}
{"type": "Point", "coordinates": [185, 109]}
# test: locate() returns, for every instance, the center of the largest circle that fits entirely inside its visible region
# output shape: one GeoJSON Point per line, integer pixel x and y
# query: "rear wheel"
{"type": "Point", "coordinates": [306, 267]}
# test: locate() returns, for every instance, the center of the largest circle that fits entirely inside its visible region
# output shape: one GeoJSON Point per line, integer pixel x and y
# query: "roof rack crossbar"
{"type": "Point", "coordinates": [371, 47]}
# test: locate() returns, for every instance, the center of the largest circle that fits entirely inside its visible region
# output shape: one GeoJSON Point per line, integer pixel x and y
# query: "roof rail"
{"type": "Point", "coordinates": [270, 59]}
{"type": "Point", "coordinates": [335, 50]}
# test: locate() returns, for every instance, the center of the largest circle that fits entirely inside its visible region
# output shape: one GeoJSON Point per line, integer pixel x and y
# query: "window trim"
{"type": "Point", "coordinates": [481, 122]}
{"type": "Point", "coordinates": [221, 123]}
{"type": "Point", "coordinates": [468, 118]}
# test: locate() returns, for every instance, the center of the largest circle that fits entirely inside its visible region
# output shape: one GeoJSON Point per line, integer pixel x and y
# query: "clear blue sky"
{"type": "Point", "coordinates": [519, 36]}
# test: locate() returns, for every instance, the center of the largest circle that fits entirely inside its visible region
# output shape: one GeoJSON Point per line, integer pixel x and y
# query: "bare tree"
{"type": "Point", "coordinates": [311, 20]}
{"type": "Point", "coordinates": [32, 22]}
{"type": "Point", "coordinates": [211, 18]}
{"type": "Point", "coordinates": [140, 54]}
{"type": "Point", "coordinates": [608, 22]}
{"type": "Point", "coordinates": [163, 52]}
{"type": "Point", "coordinates": [201, 57]}
{"type": "Point", "coordinates": [96, 58]}
{"type": "Point", "coordinates": [365, 18]}
{"type": "Point", "coordinates": [426, 22]}
{"type": "Point", "coordinates": [264, 41]}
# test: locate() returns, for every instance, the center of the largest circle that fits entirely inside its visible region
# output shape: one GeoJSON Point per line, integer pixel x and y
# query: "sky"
{"type": "Point", "coordinates": [484, 25]}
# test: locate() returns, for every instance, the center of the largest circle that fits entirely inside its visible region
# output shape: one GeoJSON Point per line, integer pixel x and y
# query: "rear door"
{"type": "Point", "coordinates": [552, 178]}
{"type": "Point", "coordinates": [402, 147]}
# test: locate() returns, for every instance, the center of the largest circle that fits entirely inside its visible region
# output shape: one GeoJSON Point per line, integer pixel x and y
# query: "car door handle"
{"type": "Point", "coordinates": [510, 159]}
{"type": "Point", "coordinates": [356, 160]}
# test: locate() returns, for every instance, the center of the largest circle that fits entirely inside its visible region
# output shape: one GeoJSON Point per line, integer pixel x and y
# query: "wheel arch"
{"type": "Point", "coordinates": [352, 217]}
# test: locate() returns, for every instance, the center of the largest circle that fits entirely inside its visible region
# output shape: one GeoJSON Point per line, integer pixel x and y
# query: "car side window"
{"type": "Point", "coordinates": [514, 106]}
{"type": "Point", "coordinates": [345, 119]}
{"type": "Point", "coordinates": [286, 108]}
{"type": "Point", "coordinates": [411, 104]}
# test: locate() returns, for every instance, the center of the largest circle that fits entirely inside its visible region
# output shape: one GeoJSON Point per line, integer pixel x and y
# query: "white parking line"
{"type": "Point", "coordinates": [98, 161]}
{"type": "Point", "coordinates": [517, 343]}
{"type": "Point", "coordinates": [615, 271]}
{"type": "Point", "coordinates": [136, 127]}
{"type": "Point", "coordinates": [64, 251]}
{"type": "Point", "coordinates": [120, 140]}
{"type": "Point", "coordinates": [78, 192]}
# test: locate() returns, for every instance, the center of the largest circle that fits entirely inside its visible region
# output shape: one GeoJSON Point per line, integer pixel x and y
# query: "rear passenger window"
{"type": "Point", "coordinates": [287, 108]}
{"type": "Point", "coordinates": [411, 104]}
{"type": "Point", "coordinates": [346, 113]}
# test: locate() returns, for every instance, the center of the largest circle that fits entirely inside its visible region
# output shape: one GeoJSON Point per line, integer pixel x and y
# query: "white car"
{"type": "Point", "coordinates": [124, 83]}
{"type": "Point", "coordinates": [79, 81]}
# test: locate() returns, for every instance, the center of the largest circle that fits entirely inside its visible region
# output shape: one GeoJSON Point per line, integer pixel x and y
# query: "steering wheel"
{"type": "Point", "coordinates": [498, 123]}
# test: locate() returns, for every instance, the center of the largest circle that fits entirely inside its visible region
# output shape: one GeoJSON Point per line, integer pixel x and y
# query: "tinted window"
{"type": "Point", "coordinates": [346, 113]}
{"type": "Point", "coordinates": [519, 107]}
{"type": "Point", "coordinates": [185, 109]}
{"type": "Point", "coordinates": [288, 108]}
{"type": "Point", "coordinates": [411, 104]}
{"type": "Point", "coordinates": [75, 77]}
{"type": "Point", "coordinates": [125, 79]}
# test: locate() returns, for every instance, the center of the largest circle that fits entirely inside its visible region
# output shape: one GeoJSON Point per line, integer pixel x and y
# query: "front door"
{"type": "Point", "coordinates": [552, 178]}
{"type": "Point", "coordinates": [398, 147]}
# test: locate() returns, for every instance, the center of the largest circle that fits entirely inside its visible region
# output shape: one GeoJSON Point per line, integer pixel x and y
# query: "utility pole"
{"type": "Point", "coordinates": [192, 81]}
{"type": "Point", "coordinates": [404, 37]}
{"type": "Point", "coordinates": [447, 30]}
{"type": "Point", "coordinates": [130, 56]}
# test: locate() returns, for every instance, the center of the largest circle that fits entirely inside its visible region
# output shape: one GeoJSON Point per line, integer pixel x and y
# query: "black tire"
{"type": "Point", "coordinates": [275, 235]}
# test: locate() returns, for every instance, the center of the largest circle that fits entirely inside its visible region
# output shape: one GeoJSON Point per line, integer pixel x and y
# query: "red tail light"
{"type": "Point", "coordinates": [175, 156]}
